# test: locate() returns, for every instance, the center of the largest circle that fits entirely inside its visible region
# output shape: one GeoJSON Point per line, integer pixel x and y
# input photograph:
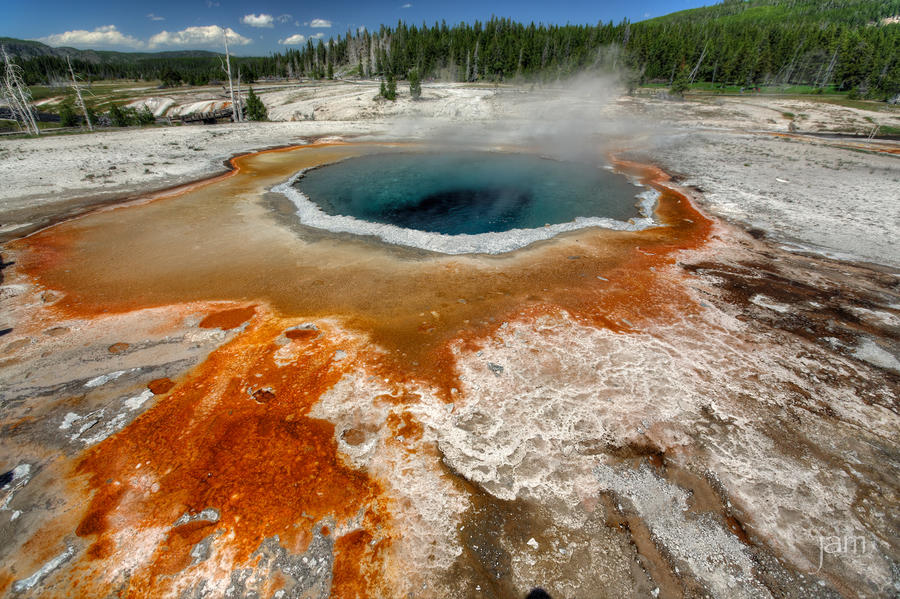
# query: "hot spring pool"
{"type": "Point", "coordinates": [461, 202]}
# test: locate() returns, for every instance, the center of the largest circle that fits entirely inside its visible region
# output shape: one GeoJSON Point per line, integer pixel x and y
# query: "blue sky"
{"type": "Point", "coordinates": [260, 27]}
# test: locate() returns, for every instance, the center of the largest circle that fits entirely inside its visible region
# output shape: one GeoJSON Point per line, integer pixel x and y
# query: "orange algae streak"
{"type": "Point", "coordinates": [160, 386]}
{"type": "Point", "coordinates": [228, 319]}
{"type": "Point", "coordinates": [301, 333]}
{"type": "Point", "coordinates": [267, 468]}
{"type": "Point", "coordinates": [355, 556]}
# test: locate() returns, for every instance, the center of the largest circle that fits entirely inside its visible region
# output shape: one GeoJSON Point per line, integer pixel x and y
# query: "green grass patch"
{"type": "Point", "coordinates": [42, 92]}
{"type": "Point", "coordinates": [870, 105]}
{"type": "Point", "coordinates": [700, 87]}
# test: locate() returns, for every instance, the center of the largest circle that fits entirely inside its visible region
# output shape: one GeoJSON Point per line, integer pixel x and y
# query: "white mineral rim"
{"type": "Point", "coordinates": [312, 215]}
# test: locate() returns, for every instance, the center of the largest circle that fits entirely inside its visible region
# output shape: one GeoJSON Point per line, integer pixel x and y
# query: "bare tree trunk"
{"type": "Point", "coordinates": [873, 133]}
{"type": "Point", "coordinates": [75, 86]}
{"type": "Point", "coordinates": [18, 94]}
{"type": "Point", "coordinates": [827, 77]}
{"type": "Point", "coordinates": [884, 70]}
{"type": "Point", "coordinates": [791, 65]}
{"type": "Point", "coordinates": [239, 107]}
{"type": "Point", "coordinates": [227, 68]}
{"type": "Point", "coordinates": [13, 100]}
{"type": "Point", "coordinates": [699, 62]}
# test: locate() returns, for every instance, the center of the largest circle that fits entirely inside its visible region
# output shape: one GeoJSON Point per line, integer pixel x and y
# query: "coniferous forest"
{"type": "Point", "coordinates": [839, 44]}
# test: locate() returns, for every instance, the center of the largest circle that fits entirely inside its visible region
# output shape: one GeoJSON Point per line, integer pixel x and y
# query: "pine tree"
{"type": "Point", "coordinates": [145, 116]}
{"type": "Point", "coordinates": [415, 85]}
{"type": "Point", "coordinates": [681, 82]}
{"type": "Point", "coordinates": [67, 116]}
{"type": "Point", "coordinates": [170, 78]}
{"type": "Point", "coordinates": [119, 117]}
{"type": "Point", "coordinates": [255, 109]}
{"type": "Point", "coordinates": [389, 89]}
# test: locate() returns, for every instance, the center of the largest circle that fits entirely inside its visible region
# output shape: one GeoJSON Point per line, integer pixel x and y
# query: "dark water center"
{"type": "Point", "coordinates": [468, 192]}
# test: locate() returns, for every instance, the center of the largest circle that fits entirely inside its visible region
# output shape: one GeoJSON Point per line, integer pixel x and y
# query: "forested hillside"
{"type": "Point", "coordinates": [847, 12]}
{"type": "Point", "coordinates": [847, 44]}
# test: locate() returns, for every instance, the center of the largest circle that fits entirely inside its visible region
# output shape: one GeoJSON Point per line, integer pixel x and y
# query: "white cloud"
{"type": "Point", "coordinates": [318, 36]}
{"type": "Point", "coordinates": [212, 4]}
{"type": "Point", "coordinates": [262, 20]}
{"type": "Point", "coordinates": [154, 17]}
{"type": "Point", "coordinates": [285, 18]}
{"type": "Point", "coordinates": [211, 35]}
{"type": "Point", "coordinates": [107, 35]}
{"type": "Point", "coordinates": [320, 23]}
{"type": "Point", "coordinates": [361, 29]}
{"type": "Point", "coordinates": [294, 40]}
{"type": "Point", "coordinates": [407, 5]}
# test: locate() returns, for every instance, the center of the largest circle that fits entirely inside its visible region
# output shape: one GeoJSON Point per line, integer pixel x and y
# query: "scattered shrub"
{"type": "Point", "coordinates": [255, 110]}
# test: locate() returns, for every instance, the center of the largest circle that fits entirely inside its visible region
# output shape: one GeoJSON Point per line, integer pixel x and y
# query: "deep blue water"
{"type": "Point", "coordinates": [468, 192]}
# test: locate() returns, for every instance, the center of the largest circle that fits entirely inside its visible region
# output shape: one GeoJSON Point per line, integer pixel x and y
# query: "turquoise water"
{"type": "Point", "coordinates": [468, 192]}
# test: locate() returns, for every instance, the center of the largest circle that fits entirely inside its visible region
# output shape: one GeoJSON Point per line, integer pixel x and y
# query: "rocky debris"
{"type": "Point", "coordinates": [12, 481]}
{"type": "Point", "coordinates": [209, 514]}
{"type": "Point", "coordinates": [710, 553]}
{"type": "Point", "coordinates": [307, 575]}
{"type": "Point", "coordinates": [27, 584]}
{"type": "Point", "coordinates": [93, 427]}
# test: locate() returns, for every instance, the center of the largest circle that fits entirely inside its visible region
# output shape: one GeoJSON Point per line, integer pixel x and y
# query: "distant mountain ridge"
{"type": "Point", "coordinates": [33, 49]}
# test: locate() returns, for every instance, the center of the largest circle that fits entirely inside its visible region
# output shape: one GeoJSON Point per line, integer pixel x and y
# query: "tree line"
{"type": "Point", "coordinates": [844, 44]}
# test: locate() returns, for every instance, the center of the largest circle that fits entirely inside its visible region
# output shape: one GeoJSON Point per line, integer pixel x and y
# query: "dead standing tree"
{"type": "Point", "coordinates": [227, 68]}
{"type": "Point", "coordinates": [78, 98]}
{"type": "Point", "coordinates": [17, 95]}
{"type": "Point", "coordinates": [828, 72]}
{"type": "Point", "coordinates": [699, 62]}
{"type": "Point", "coordinates": [239, 107]}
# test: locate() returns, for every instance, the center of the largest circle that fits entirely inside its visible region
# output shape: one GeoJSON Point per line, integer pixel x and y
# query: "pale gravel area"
{"type": "Point", "coordinates": [815, 194]}
{"type": "Point", "coordinates": [44, 171]}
